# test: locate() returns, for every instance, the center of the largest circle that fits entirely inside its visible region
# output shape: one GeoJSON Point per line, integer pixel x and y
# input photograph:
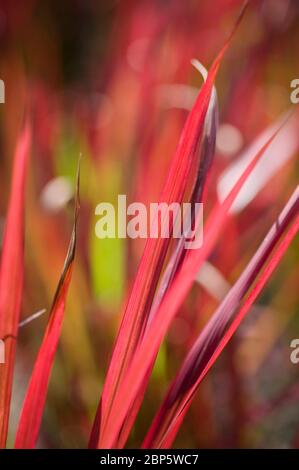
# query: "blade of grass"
{"type": "Point", "coordinates": [190, 375]}
{"type": "Point", "coordinates": [207, 148]}
{"type": "Point", "coordinates": [34, 402]}
{"type": "Point", "coordinates": [292, 232]}
{"type": "Point", "coordinates": [285, 149]}
{"type": "Point", "coordinates": [148, 349]}
{"type": "Point", "coordinates": [142, 294]}
{"type": "Point", "coordinates": [11, 276]}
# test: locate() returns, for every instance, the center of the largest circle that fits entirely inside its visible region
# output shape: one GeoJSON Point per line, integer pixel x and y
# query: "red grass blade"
{"type": "Point", "coordinates": [217, 332]}
{"type": "Point", "coordinates": [34, 402]}
{"type": "Point", "coordinates": [139, 304]}
{"type": "Point", "coordinates": [142, 294]}
{"type": "Point", "coordinates": [207, 148]}
{"type": "Point", "coordinates": [11, 276]}
{"type": "Point", "coordinates": [148, 349]}
{"type": "Point", "coordinates": [200, 188]}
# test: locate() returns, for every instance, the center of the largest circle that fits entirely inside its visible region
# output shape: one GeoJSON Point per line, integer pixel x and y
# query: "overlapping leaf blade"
{"type": "Point", "coordinates": [34, 402]}
{"type": "Point", "coordinates": [147, 351]}
{"type": "Point", "coordinates": [11, 276]}
{"type": "Point", "coordinates": [220, 328]}
{"type": "Point", "coordinates": [140, 301]}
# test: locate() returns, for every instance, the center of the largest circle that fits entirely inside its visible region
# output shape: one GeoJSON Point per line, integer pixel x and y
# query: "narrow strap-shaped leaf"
{"type": "Point", "coordinates": [11, 276]}
{"type": "Point", "coordinates": [186, 382]}
{"type": "Point", "coordinates": [148, 349]}
{"type": "Point", "coordinates": [140, 301]}
{"type": "Point", "coordinates": [207, 148]}
{"type": "Point", "coordinates": [34, 402]}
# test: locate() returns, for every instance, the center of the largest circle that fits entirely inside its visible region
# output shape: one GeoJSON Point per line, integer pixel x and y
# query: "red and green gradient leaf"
{"type": "Point", "coordinates": [34, 402]}
{"type": "Point", "coordinates": [147, 351]}
{"type": "Point", "coordinates": [11, 275]}
{"type": "Point", "coordinates": [138, 308]}
{"type": "Point", "coordinates": [222, 326]}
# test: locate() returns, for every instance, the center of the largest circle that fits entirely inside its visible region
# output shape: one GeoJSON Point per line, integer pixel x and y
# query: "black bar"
{"type": "Point", "coordinates": [144, 458]}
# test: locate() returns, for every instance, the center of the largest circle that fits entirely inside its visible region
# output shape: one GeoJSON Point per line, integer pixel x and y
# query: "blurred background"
{"type": "Point", "coordinates": [112, 80]}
